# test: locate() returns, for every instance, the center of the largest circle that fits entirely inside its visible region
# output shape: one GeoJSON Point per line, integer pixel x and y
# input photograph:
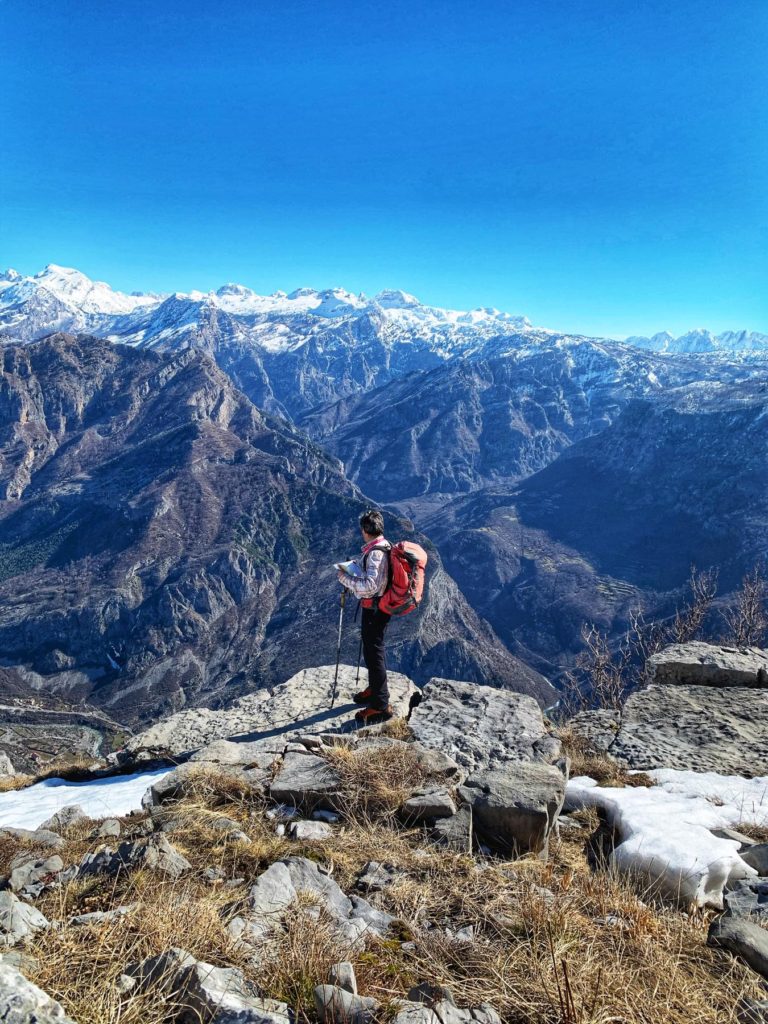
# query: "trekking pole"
{"type": "Point", "coordinates": [338, 646]}
{"type": "Point", "coordinates": [359, 656]}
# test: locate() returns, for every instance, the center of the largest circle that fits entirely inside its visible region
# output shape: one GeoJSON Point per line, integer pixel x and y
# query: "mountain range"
{"type": "Point", "coordinates": [561, 478]}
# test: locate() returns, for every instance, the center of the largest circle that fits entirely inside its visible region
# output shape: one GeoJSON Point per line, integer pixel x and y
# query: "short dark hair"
{"type": "Point", "coordinates": [372, 521]}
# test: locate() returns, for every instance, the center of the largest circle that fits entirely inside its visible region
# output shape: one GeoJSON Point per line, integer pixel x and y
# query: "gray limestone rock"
{"type": "Point", "coordinates": [309, 831]}
{"type": "Point", "coordinates": [161, 970]}
{"type": "Point", "coordinates": [442, 1004]}
{"type": "Point", "coordinates": [30, 876]}
{"type": "Point", "coordinates": [757, 857]}
{"type": "Point", "coordinates": [220, 995]}
{"type": "Point", "coordinates": [342, 975]}
{"type": "Point", "coordinates": [479, 727]}
{"type": "Point", "coordinates": [295, 708]}
{"type": "Point", "coordinates": [427, 805]}
{"type": "Point", "coordinates": [306, 781]}
{"type": "Point", "coordinates": [40, 836]}
{"type": "Point", "coordinates": [699, 728]}
{"type": "Point", "coordinates": [700, 664]}
{"type": "Point", "coordinates": [21, 1002]}
{"type": "Point", "coordinates": [514, 809]}
{"type": "Point", "coordinates": [747, 897]}
{"type": "Point", "coordinates": [153, 854]}
{"type": "Point", "coordinates": [277, 888]}
{"type": "Point", "coordinates": [436, 764]}
{"type": "Point", "coordinates": [102, 916]}
{"type": "Point", "coordinates": [18, 921]}
{"type": "Point", "coordinates": [6, 767]}
{"type": "Point", "coordinates": [183, 780]}
{"type": "Point", "coordinates": [110, 828]}
{"type": "Point", "coordinates": [743, 938]}
{"type": "Point", "coordinates": [455, 832]}
{"type": "Point", "coordinates": [336, 1005]}
{"type": "Point", "coordinates": [254, 754]}
{"type": "Point", "coordinates": [596, 728]}
{"type": "Point", "coordinates": [64, 818]}
{"type": "Point", "coordinates": [731, 833]}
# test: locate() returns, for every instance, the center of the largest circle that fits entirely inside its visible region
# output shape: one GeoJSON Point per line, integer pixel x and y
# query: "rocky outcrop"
{"type": "Point", "coordinates": [703, 728]}
{"type": "Point", "coordinates": [19, 921]}
{"type": "Point", "coordinates": [701, 664]}
{"type": "Point", "coordinates": [299, 706]}
{"type": "Point", "coordinates": [512, 792]}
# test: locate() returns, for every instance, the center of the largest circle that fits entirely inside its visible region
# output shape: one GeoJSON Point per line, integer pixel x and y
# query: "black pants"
{"type": "Point", "coordinates": [374, 624]}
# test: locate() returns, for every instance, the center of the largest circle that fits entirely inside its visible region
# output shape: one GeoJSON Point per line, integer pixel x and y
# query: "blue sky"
{"type": "Point", "coordinates": [598, 166]}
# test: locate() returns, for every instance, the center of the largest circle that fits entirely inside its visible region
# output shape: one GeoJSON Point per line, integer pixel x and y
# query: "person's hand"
{"type": "Point", "coordinates": [341, 577]}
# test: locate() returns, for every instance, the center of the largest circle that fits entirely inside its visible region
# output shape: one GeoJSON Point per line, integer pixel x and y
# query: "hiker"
{"type": "Point", "coordinates": [368, 588]}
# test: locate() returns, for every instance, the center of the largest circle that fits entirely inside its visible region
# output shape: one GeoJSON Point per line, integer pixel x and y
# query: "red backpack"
{"type": "Point", "coordinates": [405, 589]}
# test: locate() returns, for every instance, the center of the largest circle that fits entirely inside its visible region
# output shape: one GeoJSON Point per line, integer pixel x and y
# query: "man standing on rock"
{"type": "Point", "coordinates": [368, 588]}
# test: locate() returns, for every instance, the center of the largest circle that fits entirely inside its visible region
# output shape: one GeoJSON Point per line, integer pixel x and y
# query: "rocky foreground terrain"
{"type": "Point", "coordinates": [425, 871]}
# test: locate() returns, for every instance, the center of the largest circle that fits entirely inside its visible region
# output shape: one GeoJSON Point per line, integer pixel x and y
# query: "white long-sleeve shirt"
{"type": "Point", "coordinates": [373, 582]}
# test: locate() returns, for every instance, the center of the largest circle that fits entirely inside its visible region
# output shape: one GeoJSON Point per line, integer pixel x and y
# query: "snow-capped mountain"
{"type": "Point", "coordinates": [702, 340]}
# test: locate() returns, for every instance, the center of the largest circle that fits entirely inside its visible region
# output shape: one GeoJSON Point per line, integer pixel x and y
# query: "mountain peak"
{"type": "Point", "coordinates": [394, 298]}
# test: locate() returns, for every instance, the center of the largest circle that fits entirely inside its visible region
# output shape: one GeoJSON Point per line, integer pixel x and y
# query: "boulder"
{"type": "Point", "coordinates": [700, 664]}
{"type": "Point", "coordinates": [182, 781]}
{"type": "Point", "coordinates": [30, 876]}
{"type": "Point", "coordinates": [207, 994]}
{"type": "Point", "coordinates": [514, 810]}
{"type": "Point", "coordinates": [298, 707]}
{"type": "Point", "coordinates": [18, 921]}
{"type": "Point", "coordinates": [744, 938]}
{"type": "Point", "coordinates": [65, 818]}
{"type": "Point", "coordinates": [277, 888]}
{"type": "Point", "coordinates": [697, 728]}
{"type": "Point", "coordinates": [6, 768]}
{"type": "Point", "coordinates": [425, 805]}
{"type": "Point", "coordinates": [160, 970]}
{"type": "Point", "coordinates": [306, 781]}
{"type": "Point", "coordinates": [21, 1002]}
{"type": "Point", "coordinates": [336, 1005]}
{"type": "Point", "coordinates": [153, 854]}
{"type": "Point", "coordinates": [478, 727]}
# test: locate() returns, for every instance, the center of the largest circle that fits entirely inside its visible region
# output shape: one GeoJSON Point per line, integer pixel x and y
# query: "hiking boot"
{"type": "Point", "coordinates": [364, 696]}
{"type": "Point", "coordinates": [373, 716]}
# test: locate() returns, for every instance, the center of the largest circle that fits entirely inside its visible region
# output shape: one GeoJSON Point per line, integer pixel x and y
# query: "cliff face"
{"type": "Point", "coordinates": [165, 543]}
{"type": "Point", "coordinates": [616, 521]}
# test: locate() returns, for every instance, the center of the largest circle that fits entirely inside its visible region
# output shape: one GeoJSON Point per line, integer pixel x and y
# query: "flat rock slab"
{"type": "Point", "coordinates": [700, 664]}
{"type": "Point", "coordinates": [306, 781]}
{"type": "Point", "coordinates": [300, 706]}
{"type": "Point", "coordinates": [698, 728]}
{"type": "Point", "coordinates": [480, 727]}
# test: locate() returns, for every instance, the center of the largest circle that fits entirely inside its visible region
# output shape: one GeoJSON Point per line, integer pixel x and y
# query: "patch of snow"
{"type": "Point", "coordinates": [99, 798]}
{"type": "Point", "coordinates": [665, 829]}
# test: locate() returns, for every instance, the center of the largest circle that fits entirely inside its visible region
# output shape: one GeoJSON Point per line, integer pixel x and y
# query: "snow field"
{"type": "Point", "coordinates": [100, 798]}
{"type": "Point", "coordinates": [665, 829]}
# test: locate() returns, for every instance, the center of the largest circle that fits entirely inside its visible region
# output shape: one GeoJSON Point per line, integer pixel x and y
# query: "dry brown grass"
{"type": "Point", "coordinates": [375, 782]}
{"type": "Point", "coordinates": [12, 782]}
{"type": "Point", "coordinates": [539, 957]}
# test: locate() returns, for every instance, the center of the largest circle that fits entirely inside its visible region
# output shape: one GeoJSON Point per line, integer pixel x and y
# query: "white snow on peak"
{"type": "Point", "coordinates": [665, 829]}
{"type": "Point", "coordinates": [395, 299]}
{"type": "Point", "coordinates": [77, 291]}
{"type": "Point", "coordinates": [10, 275]}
